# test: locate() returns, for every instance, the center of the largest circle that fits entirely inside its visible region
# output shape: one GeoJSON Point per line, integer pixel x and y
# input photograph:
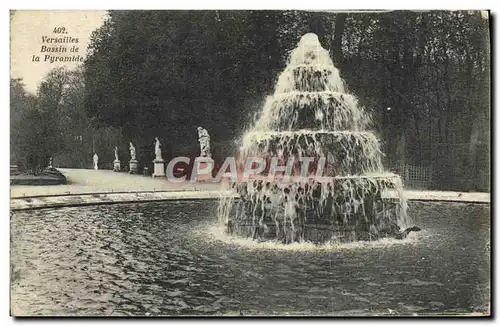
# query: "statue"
{"type": "Point", "coordinates": [50, 163]}
{"type": "Point", "coordinates": [132, 152]}
{"type": "Point", "coordinates": [204, 140]}
{"type": "Point", "coordinates": [158, 149]}
{"type": "Point", "coordinates": [116, 162]}
{"type": "Point", "coordinates": [133, 160]}
{"type": "Point", "coordinates": [159, 163]}
{"type": "Point", "coordinates": [96, 160]}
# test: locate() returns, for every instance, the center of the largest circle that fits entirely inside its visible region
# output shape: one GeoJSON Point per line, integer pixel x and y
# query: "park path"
{"type": "Point", "coordinates": [84, 181]}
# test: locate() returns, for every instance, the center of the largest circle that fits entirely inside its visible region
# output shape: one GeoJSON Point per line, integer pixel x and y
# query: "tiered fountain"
{"type": "Point", "coordinates": [311, 115]}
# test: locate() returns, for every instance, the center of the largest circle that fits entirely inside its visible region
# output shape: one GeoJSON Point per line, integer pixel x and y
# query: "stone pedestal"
{"type": "Point", "coordinates": [204, 177]}
{"type": "Point", "coordinates": [159, 170]}
{"type": "Point", "coordinates": [132, 166]}
{"type": "Point", "coordinates": [116, 166]}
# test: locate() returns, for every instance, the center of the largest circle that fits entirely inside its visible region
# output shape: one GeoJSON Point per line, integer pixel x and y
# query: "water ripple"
{"type": "Point", "coordinates": [171, 259]}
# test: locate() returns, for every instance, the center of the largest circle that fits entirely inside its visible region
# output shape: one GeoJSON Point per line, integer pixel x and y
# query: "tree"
{"type": "Point", "coordinates": [337, 38]}
{"type": "Point", "coordinates": [163, 73]}
{"type": "Point", "coordinates": [21, 102]}
{"type": "Point", "coordinates": [50, 94]}
{"type": "Point", "coordinates": [41, 124]}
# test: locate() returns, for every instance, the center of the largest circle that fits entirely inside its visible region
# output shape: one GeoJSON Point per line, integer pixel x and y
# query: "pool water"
{"type": "Point", "coordinates": [171, 258]}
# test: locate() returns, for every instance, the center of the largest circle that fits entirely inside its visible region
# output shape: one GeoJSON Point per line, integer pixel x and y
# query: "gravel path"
{"type": "Point", "coordinates": [81, 181]}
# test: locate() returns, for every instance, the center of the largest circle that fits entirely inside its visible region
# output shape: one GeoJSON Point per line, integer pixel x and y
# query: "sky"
{"type": "Point", "coordinates": [27, 27]}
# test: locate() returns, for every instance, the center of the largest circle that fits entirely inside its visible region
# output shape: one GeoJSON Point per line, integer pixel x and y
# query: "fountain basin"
{"type": "Point", "coordinates": [169, 258]}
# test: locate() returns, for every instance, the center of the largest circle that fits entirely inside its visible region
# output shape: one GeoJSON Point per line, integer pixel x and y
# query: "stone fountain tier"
{"type": "Point", "coordinates": [314, 110]}
{"type": "Point", "coordinates": [341, 210]}
{"type": "Point", "coordinates": [309, 78]}
{"type": "Point", "coordinates": [346, 152]}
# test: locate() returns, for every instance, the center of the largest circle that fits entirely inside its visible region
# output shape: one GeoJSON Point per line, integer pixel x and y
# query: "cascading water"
{"type": "Point", "coordinates": [311, 115]}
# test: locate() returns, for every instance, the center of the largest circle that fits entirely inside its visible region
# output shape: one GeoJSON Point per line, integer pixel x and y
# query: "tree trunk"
{"type": "Point", "coordinates": [474, 137]}
{"type": "Point", "coordinates": [401, 151]}
{"type": "Point", "coordinates": [417, 132]}
{"type": "Point", "coordinates": [337, 38]}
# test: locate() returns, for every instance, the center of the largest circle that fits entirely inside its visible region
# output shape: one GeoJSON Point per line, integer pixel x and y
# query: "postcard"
{"type": "Point", "coordinates": [242, 163]}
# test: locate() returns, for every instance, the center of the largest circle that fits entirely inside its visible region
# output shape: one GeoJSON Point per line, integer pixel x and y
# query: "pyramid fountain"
{"type": "Point", "coordinates": [348, 197]}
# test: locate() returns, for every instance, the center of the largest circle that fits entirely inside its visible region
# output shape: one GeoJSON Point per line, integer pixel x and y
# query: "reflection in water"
{"type": "Point", "coordinates": [169, 259]}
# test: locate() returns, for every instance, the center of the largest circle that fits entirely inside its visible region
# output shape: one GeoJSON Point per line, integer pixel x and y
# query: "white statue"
{"type": "Point", "coordinates": [204, 140]}
{"type": "Point", "coordinates": [158, 149]}
{"type": "Point", "coordinates": [96, 160]}
{"type": "Point", "coordinates": [116, 154]}
{"type": "Point", "coordinates": [50, 163]}
{"type": "Point", "coordinates": [132, 152]}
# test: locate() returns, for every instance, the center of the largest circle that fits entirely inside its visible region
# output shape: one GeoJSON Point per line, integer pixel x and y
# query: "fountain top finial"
{"type": "Point", "coordinates": [310, 52]}
{"type": "Point", "coordinates": [309, 39]}
{"type": "Point", "coordinates": [310, 43]}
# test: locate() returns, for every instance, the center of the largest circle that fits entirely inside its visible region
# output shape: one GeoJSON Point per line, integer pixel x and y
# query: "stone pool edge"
{"type": "Point", "coordinates": [61, 200]}
{"type": "Point", "coordinates": [101, 198]}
